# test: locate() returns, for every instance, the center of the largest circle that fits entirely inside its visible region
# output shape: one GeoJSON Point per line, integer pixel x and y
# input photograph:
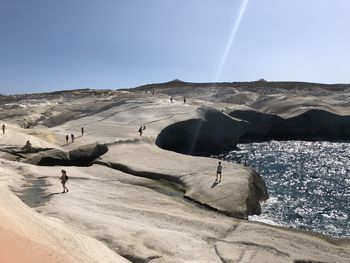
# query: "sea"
{"type": "Point", "coordinates": [308, 183]}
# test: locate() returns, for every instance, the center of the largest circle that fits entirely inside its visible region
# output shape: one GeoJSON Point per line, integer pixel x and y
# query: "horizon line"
{"type": "Point", "coordinates": [178, 80]}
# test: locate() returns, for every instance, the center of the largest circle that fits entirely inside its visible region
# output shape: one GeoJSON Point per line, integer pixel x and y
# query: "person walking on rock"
{"type": "Point", "coordinates": [3, 127]}
{"type": "Point", "coordinates": [72, 137]}
{"type": "Point", "coordinates": [64, 179]}
{"type": "Point", "coordinates": [184, 100]}
{"type": "Point", "coordinates": [82, 131]}
{"type": "Point", "coordinates": [219, 171]}
{"type": "Point", "coordinates": [140, 130]}
{"type": "Point", "coordinates": [67, 139]}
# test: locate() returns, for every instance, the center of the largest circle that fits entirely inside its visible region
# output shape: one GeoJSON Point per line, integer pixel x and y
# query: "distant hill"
{"type": "Point", "coordinates": [177, 86]}
{"type": "Point", "coordinates": [247, 86]}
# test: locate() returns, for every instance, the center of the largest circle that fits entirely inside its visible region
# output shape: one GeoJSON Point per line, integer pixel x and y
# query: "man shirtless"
{"type": "Point", "coordinates": [219, 172]}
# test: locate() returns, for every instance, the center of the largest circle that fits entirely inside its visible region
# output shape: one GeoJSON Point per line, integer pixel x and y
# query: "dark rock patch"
{"type": "Point", "coordinates": [212, 131]}
{"type": "Point", "coordinates": [314, 124]}
{"type": "Point", "coordinates": [82, 156]}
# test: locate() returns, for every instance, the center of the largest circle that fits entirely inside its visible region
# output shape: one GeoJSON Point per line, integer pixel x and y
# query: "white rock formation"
{"type": "Point", "coordinates": [139, 202]}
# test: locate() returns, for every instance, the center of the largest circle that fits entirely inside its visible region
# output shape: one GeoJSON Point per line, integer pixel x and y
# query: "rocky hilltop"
{"type": "Point", "coordinates": [155, 198]}
{"type": "Point", "coordinates": [275, 110]}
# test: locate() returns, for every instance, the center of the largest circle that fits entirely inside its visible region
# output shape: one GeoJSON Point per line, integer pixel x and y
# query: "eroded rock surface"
{"type": "Point", "coordinates": [81, 156]}
{"type": "Point", "coordinates": [130, 204]}
{"type": "Point", "coordinates": [146, 220]}
{"type": "Point", "coordinates": [238, 194]}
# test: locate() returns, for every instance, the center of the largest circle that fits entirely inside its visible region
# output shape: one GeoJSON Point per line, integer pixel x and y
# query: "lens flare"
{"type": "Point", "coordinates": [232, 38]}
{"type": "Point", "coordinates": [223, 60]}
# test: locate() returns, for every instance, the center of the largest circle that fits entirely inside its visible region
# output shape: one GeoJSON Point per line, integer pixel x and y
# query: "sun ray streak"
{"type": "Point", "coordinates": [232, 38]}
{"type": "Point", "coordinates": [223, 61]}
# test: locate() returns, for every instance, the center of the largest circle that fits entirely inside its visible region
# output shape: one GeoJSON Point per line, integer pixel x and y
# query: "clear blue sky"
{"type": "Point", "coordinates": [50, 45]}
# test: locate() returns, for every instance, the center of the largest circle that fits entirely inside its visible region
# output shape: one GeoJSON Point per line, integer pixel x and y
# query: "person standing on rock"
{"type": "Point", "coordinates": [64, 179]}
{"type": "Point", "coordinates": [184, 100]}
{"type": "Point", "coordinates": [219, 172]}
{"type": "Point", "coordinates": [72, 137]}
{"type": "Point", "coordinates": [171, 100]}
{"type": "Point", "coordinates": [82, 131]}
{"type": "Point", "coordinates": [140, 131]}
{"type": "Point", "coordinates": [67, 139]}
{"type": "Point", "coordinates": [3, 127]}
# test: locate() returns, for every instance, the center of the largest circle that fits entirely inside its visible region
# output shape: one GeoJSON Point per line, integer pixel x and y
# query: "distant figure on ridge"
{"type": "Point", "coordinates": [72, 137]}
{"type": "Point", "coordinates": [67, 139]}
{"type": "Point", "coordinates": [82, 131]}
{"type": "Point", "coordinates": [218, 171]}
{"type": "Point", "coordinates": [171, 100]}
{"type": "Point", "coordinates": [64, 179]}
{"type": "Point", "coordinates": [184, 100]}
{"type": "Point", "coordinates": [3, 127]}
{"type": "Point", "coordinates": [141, 129]}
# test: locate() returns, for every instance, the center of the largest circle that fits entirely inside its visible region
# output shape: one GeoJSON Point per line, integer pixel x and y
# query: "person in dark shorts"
{"type": "Point", "coordinates": [218, 171]}
{"type": "Point", "coordinates": [72, 137]}
{"type": "Point", "coordinates": [67, 139]}
{"type": "Point", "coordinates": [3, 127]}
{"type": "Point", "coordinates": [64, 179]}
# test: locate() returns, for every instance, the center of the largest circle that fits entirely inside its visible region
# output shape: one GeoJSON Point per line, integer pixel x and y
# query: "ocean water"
{"type": "Point", "coordinates": [308, 183]}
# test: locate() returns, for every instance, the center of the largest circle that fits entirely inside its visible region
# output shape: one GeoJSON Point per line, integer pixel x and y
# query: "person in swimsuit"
{"type": "Point", "coordinates": [64, 179]}
{"type": "Point", "coordinates": [218, 171]}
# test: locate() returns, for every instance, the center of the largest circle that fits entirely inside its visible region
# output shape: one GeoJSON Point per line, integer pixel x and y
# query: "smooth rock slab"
{"type": "Point", "coordinates": [238, 194]}
{"type": "Point", "coordinates": [262, 243]}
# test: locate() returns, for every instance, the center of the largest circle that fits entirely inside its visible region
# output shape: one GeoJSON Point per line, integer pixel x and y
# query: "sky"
{"type": "Point", "coordinates": [48, 45]}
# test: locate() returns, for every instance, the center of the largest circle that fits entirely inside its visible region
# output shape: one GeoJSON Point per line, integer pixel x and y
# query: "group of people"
{"type": "Point", "coordinates": [64, 177]}
{"type": "Point", "coordinates": [172, 100]}
{"type": "Point", "coordinates": [72, 137]}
